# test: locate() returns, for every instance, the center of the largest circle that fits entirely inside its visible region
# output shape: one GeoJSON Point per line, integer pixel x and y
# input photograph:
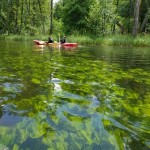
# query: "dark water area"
{"type": "Point", "coordinates": [85, 98]}
{"type": "Point", "coordinates": [127, 57]}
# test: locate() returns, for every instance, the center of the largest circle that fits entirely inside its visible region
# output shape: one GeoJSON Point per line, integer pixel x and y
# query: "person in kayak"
{"type": "Point", "coordinates": [63, 40]}
{"type": "Point", "coordinates": [50, 40]}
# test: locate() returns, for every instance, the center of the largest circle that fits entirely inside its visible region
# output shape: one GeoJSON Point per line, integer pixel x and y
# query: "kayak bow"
{"type": "Point", "coordinates": [38, 42]}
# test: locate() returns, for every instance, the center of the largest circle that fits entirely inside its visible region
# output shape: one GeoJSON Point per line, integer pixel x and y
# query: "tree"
{"type": "Point", "coordinates": [51, 17]}
{"type": "Point", "coordinates": [42, 18]}
{"type": "Point", "coordinates": [23, 16]}
{"type": "Point", "coordinates": [74, 15]}
{"type": "Point", "coordinates": [101, 17]}
{"type": "Point", "coordinates": [144, 15]}
{"type": "Point", "coordinates": [70, 16]}
{"type": "Point", "coordinates": [136, 17]}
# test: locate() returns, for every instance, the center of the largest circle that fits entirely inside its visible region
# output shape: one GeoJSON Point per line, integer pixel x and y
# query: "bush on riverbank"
{"type": "Point", "coordinates": [110, 40]}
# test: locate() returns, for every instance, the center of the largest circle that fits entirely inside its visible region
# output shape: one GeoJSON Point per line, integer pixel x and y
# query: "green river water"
{"type": "Point", "coordinates": [87, 98]}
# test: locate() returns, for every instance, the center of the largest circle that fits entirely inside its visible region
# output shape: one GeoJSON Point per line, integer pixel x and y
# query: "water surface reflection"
{"type": "Point", "coordinates": [84, 98]}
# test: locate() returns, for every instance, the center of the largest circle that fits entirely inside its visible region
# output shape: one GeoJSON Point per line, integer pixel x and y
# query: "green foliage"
{"type": "Point", "coordinates": [23, 16]}
{"type": "Point", "coordinates": [101, 17]}
{"type": "Point", "coordinates": [94, 21]}
{"type": "Point", "coordinates": [74, 13]}
{"type": "Point", "coordinates": [31, 30]}
{"type": "Point", "coordinates": [94, 17]}
{"type": "Point", "coordinates": [58, 28]}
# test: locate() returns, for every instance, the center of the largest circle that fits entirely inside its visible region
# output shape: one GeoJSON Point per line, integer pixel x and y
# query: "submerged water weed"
{"type": "Point", "coordinates": [79, 101]}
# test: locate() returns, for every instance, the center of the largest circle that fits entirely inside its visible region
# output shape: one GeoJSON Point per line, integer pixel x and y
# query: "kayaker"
{"type": "Point", "coordinates": [50, 40]}
{"type": "Point", "coordinates": [63, 40]}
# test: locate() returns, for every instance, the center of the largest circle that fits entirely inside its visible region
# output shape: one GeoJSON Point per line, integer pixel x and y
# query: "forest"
{"type": "Point", "coordinates": [86, 17]}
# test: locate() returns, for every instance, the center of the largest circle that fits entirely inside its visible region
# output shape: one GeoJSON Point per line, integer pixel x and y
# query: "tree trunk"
{"type": "Point", "coordinates": [114, 26]}
{"type": "Point", "coordinates": [16, 17]}
{"type": "Point", "coordinates": [120, 26]}
{"type": "Point", "coordinates": [145, 20]}
{"type": "Point", "coordinates": [8, 16]}
{"type": "Point", "coordinates": [41, 17]}
{"type": "Point", "coordinates": [25, 17]}
{"type": "Point", "coordinates": [20, 31]}
{"type": "Point", "coordinates": [130, 15]}
{"type": "Point", "coordinates": [51, 17]}
{"type": "Point", "coordinates": [136, 17]}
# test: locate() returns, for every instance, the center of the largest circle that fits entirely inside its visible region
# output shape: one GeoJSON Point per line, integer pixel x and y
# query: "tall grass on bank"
{"type": "Point", "coordinates": [110, 40]}
{"type": "Point", "coordinates": [114, 40]}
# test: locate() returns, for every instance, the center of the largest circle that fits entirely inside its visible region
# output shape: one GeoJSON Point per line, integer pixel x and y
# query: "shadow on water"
{"type": "Point", "coordinates": [128, 57]}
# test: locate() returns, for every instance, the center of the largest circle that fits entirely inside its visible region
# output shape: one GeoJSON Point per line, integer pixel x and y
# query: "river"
{"type": "Point", "coordinates": [86, 98]}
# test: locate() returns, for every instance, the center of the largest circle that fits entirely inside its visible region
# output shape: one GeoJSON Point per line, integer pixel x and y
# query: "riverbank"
{"type": "Point", "coordinates": [114, 40]}
{"type": "Point", "coordinates": [110, 40]}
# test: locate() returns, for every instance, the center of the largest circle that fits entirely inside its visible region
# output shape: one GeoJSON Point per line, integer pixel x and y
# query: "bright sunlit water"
{"type": "Point", "coordinates": [87, 98]}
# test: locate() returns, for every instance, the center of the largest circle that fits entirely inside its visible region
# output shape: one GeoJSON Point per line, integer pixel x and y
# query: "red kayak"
{"type": "Point", "coordinates": [38, 42]}
{"type": "Point", "coordinates": [70, 44]}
